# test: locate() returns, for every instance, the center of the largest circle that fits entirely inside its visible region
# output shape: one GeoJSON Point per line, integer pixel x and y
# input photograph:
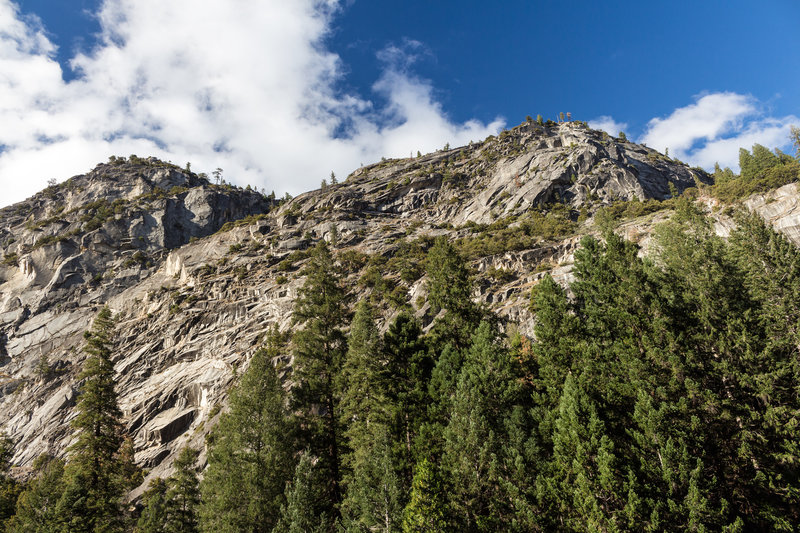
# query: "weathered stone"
{"type": "Point", "coordinates": [191, 314]}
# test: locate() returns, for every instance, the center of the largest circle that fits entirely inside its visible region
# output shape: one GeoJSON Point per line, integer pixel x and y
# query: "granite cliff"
{"type": "Point", "coordinates": [195, 272]}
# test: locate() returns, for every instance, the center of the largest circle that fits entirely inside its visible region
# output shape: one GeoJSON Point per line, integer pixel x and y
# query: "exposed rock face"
{"type": "Point", "coordinates": [528, 166]}
{"type": "Point", "coordinates": [190, 314]}
{"type": "Point", "coordinates": [97, 234]}
{"type": "Point", "coordinates": [70, 249]}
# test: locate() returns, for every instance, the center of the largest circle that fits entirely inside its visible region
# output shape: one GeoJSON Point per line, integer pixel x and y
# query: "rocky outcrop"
{"type": "Point", "coordinates": [528, 166]}
{"type": "Point", "coordinates": [193, 296]}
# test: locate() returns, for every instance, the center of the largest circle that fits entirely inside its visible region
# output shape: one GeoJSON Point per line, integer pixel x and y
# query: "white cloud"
{"type": "Point", "coordinates": [248, 88]}
{"type": "Point", "coordinates": [769, 132]}
{"type": "Point", "coordinates": [714, 128]}
{"type": "Point", "coordinates": [608, 125]}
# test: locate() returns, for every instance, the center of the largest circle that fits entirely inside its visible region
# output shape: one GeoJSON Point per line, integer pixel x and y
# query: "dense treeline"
{"type": "Point", "coordinates": [760, 170]}
{"type": "Point", "coordinates": [660, 394]}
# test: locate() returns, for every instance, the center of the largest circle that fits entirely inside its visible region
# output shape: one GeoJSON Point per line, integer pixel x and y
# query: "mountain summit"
{"type": "Point", "coordinates": [195, 272]}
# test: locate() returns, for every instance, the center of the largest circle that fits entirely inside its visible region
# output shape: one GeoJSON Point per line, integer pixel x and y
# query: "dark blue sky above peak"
{"type": "Point", "coordinates": [631, 60]}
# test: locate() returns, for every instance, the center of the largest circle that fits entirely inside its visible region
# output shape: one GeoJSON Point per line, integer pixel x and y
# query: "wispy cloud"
{"type": "Point", "coordinates": [608, 125]}
{"type": "Point", "coordinates": [711, 130]}
{"type": "Point", "coordinates": [714, 127]}
{"type": "Point", "coordinates": [251, 90]}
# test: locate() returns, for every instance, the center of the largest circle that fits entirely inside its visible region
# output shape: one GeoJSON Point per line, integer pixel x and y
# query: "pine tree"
{"type": "Point", "coordinates": [183, 494]}
{"type": "Point", "coordinates": [449, 280]}
{"type": "Point", "coordinates": [154, 514]}
{"type": "Point", "coordinates": [363, 402]}
{"type": "Point", "coordinates": [441, 391]}
{"type": "Point", "coordinates": [319, 349]}
{"type": "Point", "coordinates": [768, 376]}
{"type": "Point", "coordinates": [92, 497]}
{"type": "Point", "coordinates": [753, 166]}
{"type": "Point", "coordinates": [130, 475]}
{"type": "Point", "coordinates": [365, 417]}
{"type": "Point", "coordinates": [250, 456]}
{"type": "Point", "coordinates": [36, 506]}
{"type": "Point", "coordinates": [722, 340]}
{"type": "Point", "coordinates": [426, 511]}
{"type": "Point", "coordinates": [450, 289]}
{"type": "Point", "coordinates": [408, 372]}
{"type": "Point", "coordinates": [301, 513]}
{"type": "Point", "coordinates": [374, 491]}
{"type": "Point", "coordinates": [9, 488]}
{"type": "Point", "coordinates": [476, 436]}
{"type": "Point", "coordinates": [582, 482]}
{"type": "Point", "coordinates": [557, 336]}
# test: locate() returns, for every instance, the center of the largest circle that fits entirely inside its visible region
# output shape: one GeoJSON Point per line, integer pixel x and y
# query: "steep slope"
{"type": "Point", "coordinates": [528, 166]}
{"type": "Point", "coordinates": [69, 249]}
{"type": "Point", "coordinates": [190, 314]}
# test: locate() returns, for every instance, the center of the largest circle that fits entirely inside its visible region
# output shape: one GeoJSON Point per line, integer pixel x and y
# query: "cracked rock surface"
{"type": "Point", "coordinates": [193, 299]}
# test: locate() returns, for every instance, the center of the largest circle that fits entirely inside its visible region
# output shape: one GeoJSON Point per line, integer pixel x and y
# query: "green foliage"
{"type": "Point", "coordinates": [246, 221]}
{"type": "Point", "coordinates": [319, 349]}
{"type": "Point", "coordinates": [450, 288]}
{"type": "Point", "coordinates": [10, 259]}
{"type": "Point", "coordinates": [303, 500]}
{"type": "Point", "coordinates": [373, 490]}
{"type": "Point", "coordinates": [250, 456]}
{"type": "Point", "coordinates": [476, 441]}
{"type": "Point", "coordinates": [659, 386]}
{"type": "Point", "coordinates": [36, 506]}
{"type": "Point", "coordinates": [95, 214]}
{"type": "Point", "coordinates": [582, 485]}
{"type": "Point", "coordinates": [95, 478]}
{"type": "Point", "coordinates": [426, 511]}
{"type": "Point", "coordinates": [722, 176]}
{"type": "Point", "coordinates": [512, 234]}
{"type": "Point", "coordinates": [182, 497]}
{"type": "Point", "coordinates": [408, 370]}
{"type": "Point", "coordinates": [609, 216]}
{"type": "Point", "coordinates": [154, 513]}
{"type": "Point", "coordinates": [363, 399]}
{"type": "Point", "coordinates": [449, 280]}
{"type": "Point", "coordinates": [500, 274]}
{"type": "Point", "coordinates": [761, 171]}
{"type": "Point", "coordinates": [374, 493]}
{"type": "Point", "coordinates": [9, 488]}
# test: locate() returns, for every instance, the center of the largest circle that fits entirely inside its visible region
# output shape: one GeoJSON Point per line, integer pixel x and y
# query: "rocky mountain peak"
{"type": "Point", "coordinates": [80, 242]}
{"type": "Point", "coordinates": [195, 272]}
{"type": "Point", "coordinates": [531, 165]}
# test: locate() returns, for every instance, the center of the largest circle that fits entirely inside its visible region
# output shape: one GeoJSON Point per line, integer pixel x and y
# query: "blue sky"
{"type": "Point", "coordinates": [280, 93]}
{"type": "Point", "coordinates": [632, 60]}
